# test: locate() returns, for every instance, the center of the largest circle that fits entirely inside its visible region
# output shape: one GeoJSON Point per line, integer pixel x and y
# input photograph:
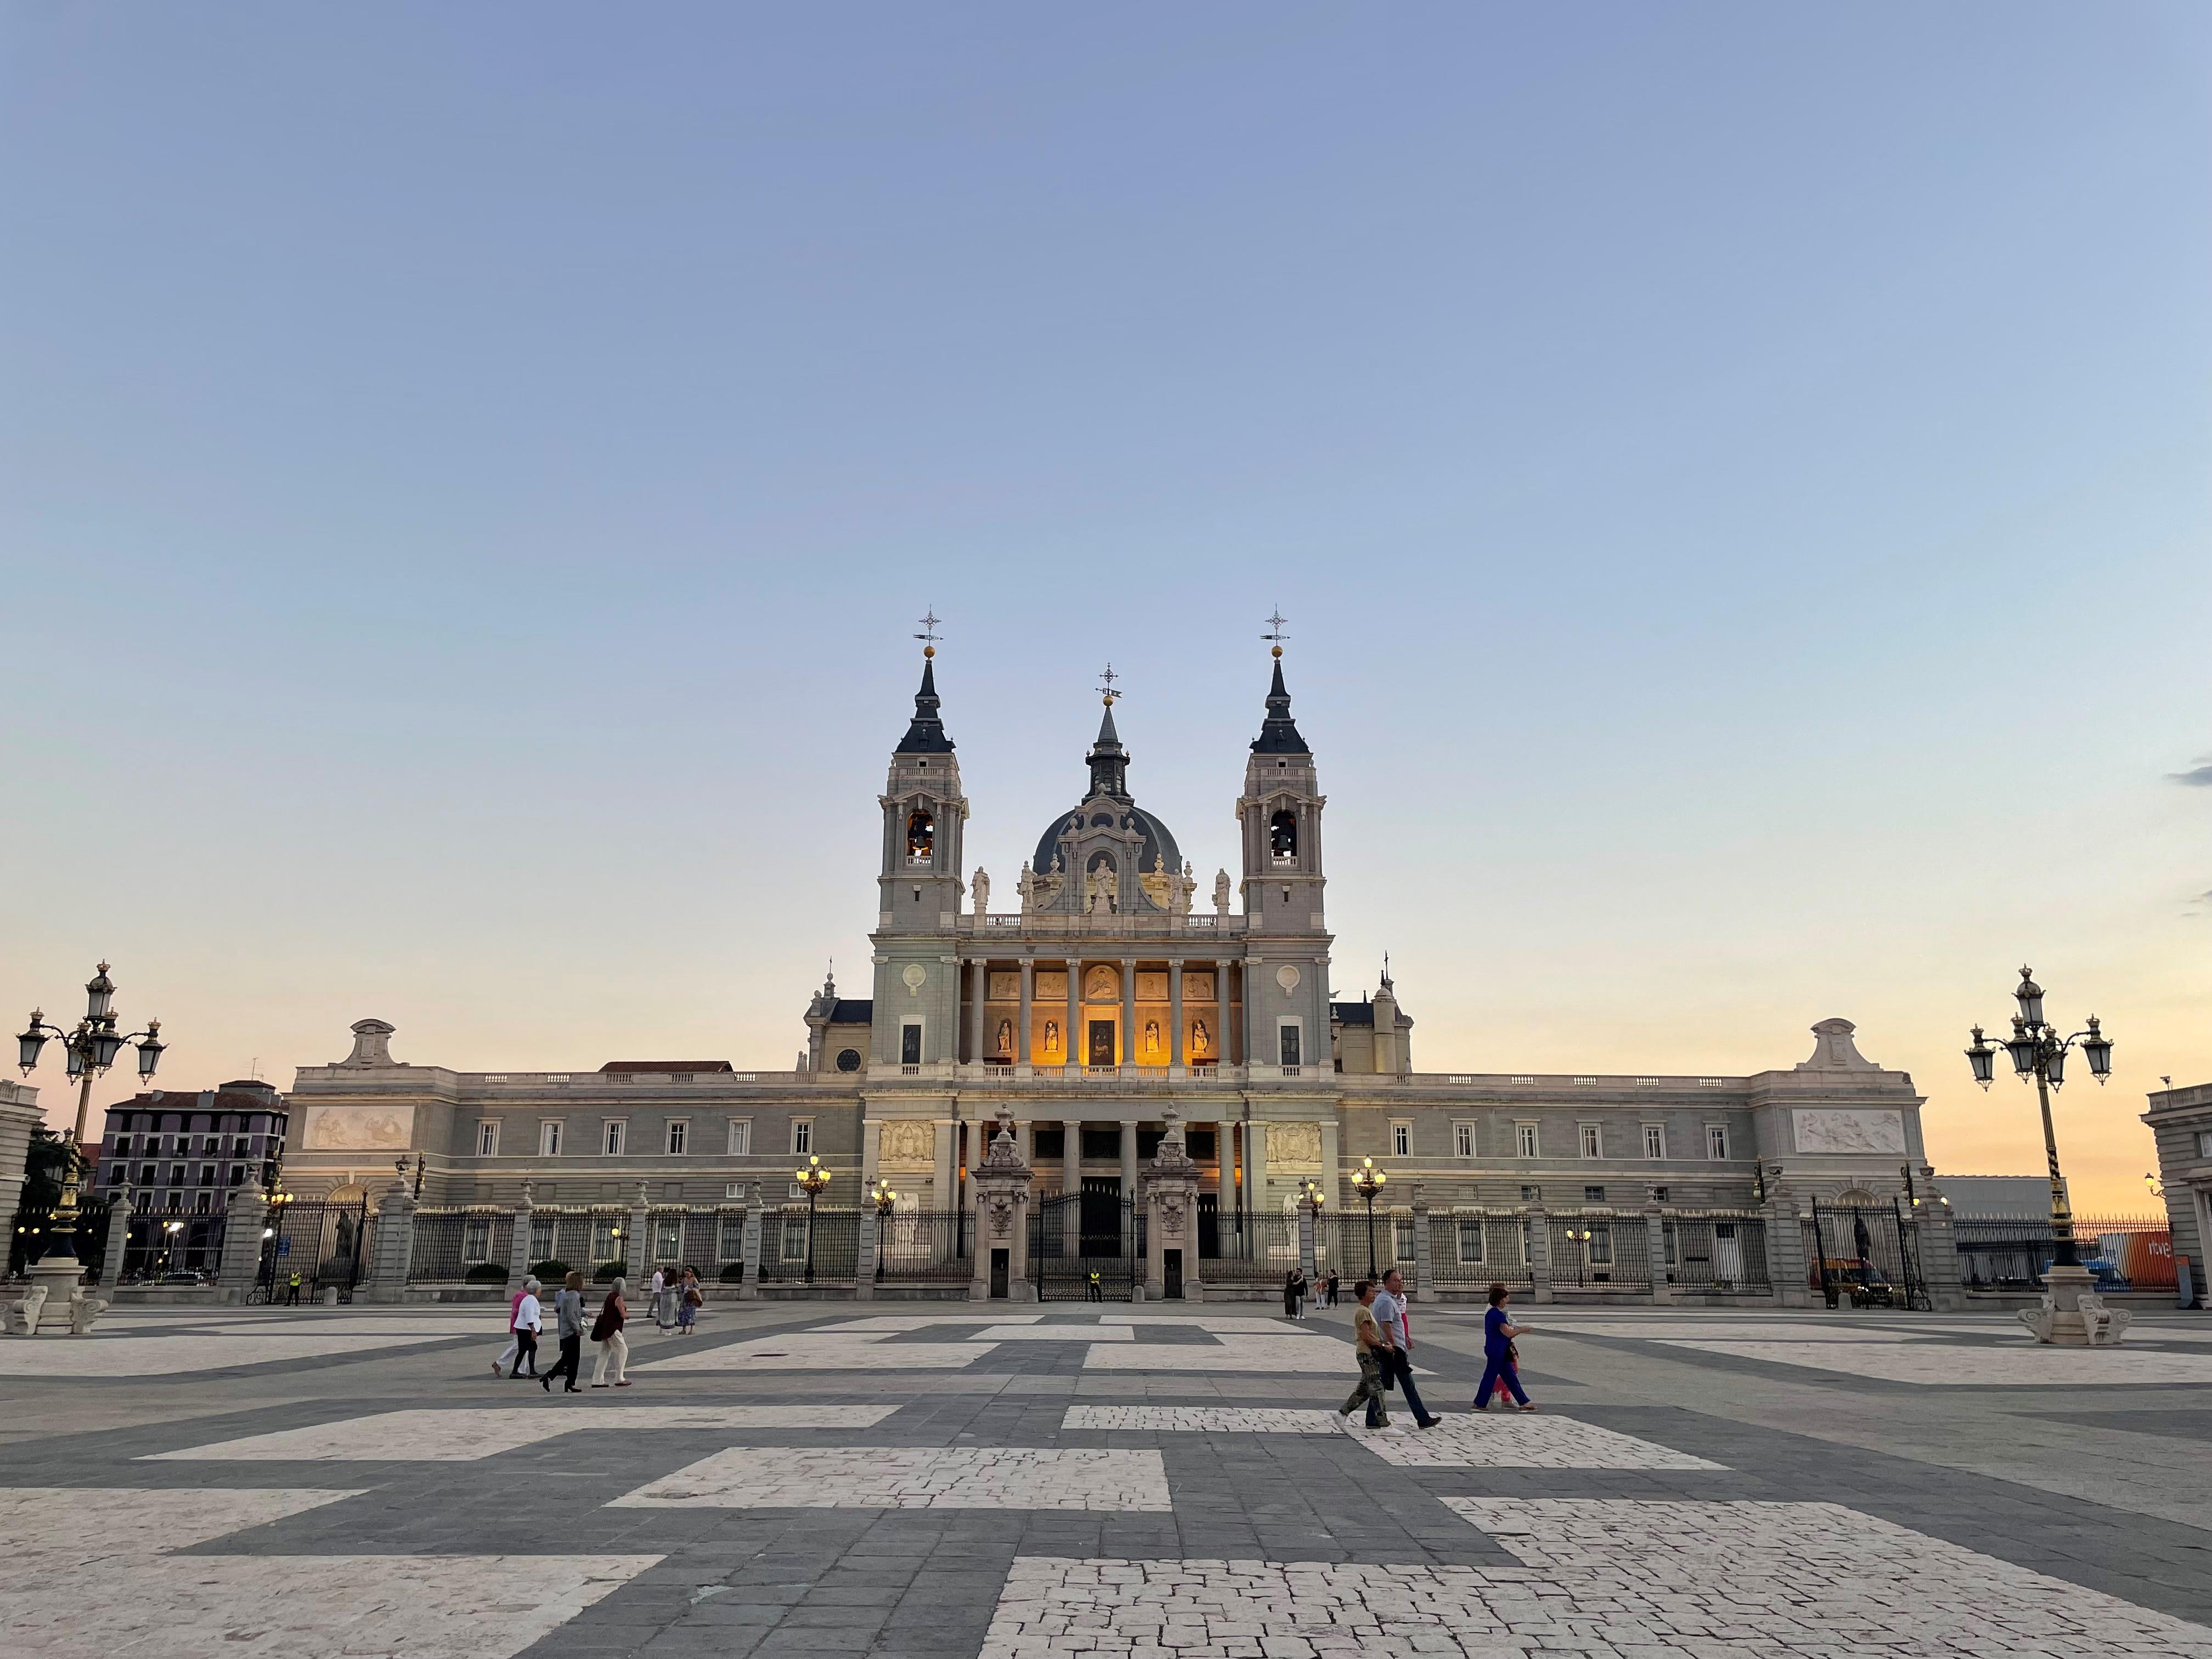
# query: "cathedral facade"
{"type": "Point", "coordinates": [1119, 985]}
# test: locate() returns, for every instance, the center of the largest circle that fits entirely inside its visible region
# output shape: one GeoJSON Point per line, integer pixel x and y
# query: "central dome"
{"type": "Point", "coordinates": [1102, 814]}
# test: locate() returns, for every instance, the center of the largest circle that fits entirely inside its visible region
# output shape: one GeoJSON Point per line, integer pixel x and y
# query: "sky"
{"type": "Point", "coordinates": [1737, 478]}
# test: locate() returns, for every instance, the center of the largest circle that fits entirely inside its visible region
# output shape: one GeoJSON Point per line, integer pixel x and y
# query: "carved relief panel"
{"type": "Point", "coordinates": [1101, 984]}
{"type": "Point", "coordinates": [908, 1143]}
{"type": "Point", "coordinates": [1294, 1146]}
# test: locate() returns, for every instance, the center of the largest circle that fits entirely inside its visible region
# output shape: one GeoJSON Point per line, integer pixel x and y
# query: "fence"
{"type": "Point", "coordinates": [923, 1247]}
{"type": "Point", "coordinates": [803, 1246]}
{"type": "Point", "coordinates": [1718, 1252]}
{"type": "Point", "coordinates": [1470, 1251]}
{"type": "Point", "coordinates": [2010, 1253]}
{"type": "Point", "coordinates": [1260, 1256]}
{"type": "Point", "coordinates": [1599, 1250]}
{"type": "Point", "coordinates": [455, 1246]}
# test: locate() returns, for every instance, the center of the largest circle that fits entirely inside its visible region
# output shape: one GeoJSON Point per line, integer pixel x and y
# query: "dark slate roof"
{"type": "Point", "coordinates": [853, 1011]}
{"type": "Point", "coordinates": [1279, 732]}
{"type": "Point", "coordinates": [1159, 841]}
{"type": "Point", "coordinates": [926, 735]}
{"type": "Point", "coordinates": [1353, 1013]}
{"type": "Point", "coordinates": [668, 1065]}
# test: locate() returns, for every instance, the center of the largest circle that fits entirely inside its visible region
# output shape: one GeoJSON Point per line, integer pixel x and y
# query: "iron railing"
{"type": "Point", "coordinates": [922, 1247]}
{"type": "Point", "coordinates": [457, 1247]}
{"type": "Point", "coordinates": [1599, 1250]}
{"type": "Point", "coordinates": [1719, 1252]}
{"type": "Point", "coordinates": [2010, 1253]}
{"type": "Point", "coordinates": [820, 1246]}
{"type": "Point", "coordinates": [1470, 1251]}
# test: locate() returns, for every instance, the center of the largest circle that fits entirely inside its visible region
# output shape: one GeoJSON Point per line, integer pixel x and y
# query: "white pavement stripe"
{"type": "Point", "coordinates": [40, 1522]}
{"type": "Point", "coordinates": [804, 1350]}
{"type": "Point", "coordinates": [459, 1436]}
{"type": "Point", "coordinates": [1943, 1364]}
{"type": "Point", "coordinates": [907, 1477]}
{"type": "Point", "coordinates": [1460, 1440]}
{"type": "Point", "coordinates": [158, 1356]}
{"type": "Point", "coordinates": [1724, 1330]}
{"type": "Point", "coordinates": [1216, 1324]}
{"type": "Point", "coordinates": [1234, 1353]}
{"type": "Point", "coordinates": [1205, 1419]}
{"type": "Point", "coordinates": [1055, 1334]}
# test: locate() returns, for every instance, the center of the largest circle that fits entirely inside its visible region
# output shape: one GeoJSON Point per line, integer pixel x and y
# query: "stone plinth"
{"type": "Point", "coordinates": [1002, 1183]}
{"type": "Point", "coordinates": [1172, 1182]}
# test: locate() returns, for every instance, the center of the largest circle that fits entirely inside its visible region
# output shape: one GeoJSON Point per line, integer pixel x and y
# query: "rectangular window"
{"type": "Point", "coordinates": [122, 1146]}
{"type": "Point", "coordinates": [1289, 1037]}
{"type": "Point", "coordinates": [1403, 1236]}
{"type": "Point", "coordinates": [238, 1174]}
{"type": "Point", "coordinates": [1655, 1140]}
{"type": "Point", "coordinates": [1658, 1194]}
{"type": "Point", "coordinates": [610, 1142]}
{"type": "Point", "coordinates": [548, 1139]}
{"type": "Point", "coordinates": [1532, 1194]}
{"type": "Point", "coordinates": [1402, 1140]}
{"type": "Point", "coordinates": [667, 1240]}
{"type": "Point", "coordinates": [1593, 1141]}
{"type": "Point", "coordinates": [541, 1238]}
{"type": "Point", "coordinates": [1470, 1243]}
{"type": "Point", "coordinates": [1600, 1245]}
{"type": "Point", "coordinates": [741, 1137]}
{"type": "Point", "coordinates": [795, 1239]}
{"type": "Point", "coordinates": [476, 1240]}
{"type": "Point", "coordinates": [802, 1135]}
{"type": "Point", "coordinates": [732, 1235]}
{"type": "Point", "coordinates": [1524, 1138]}
{"type": "Point", "coordinates": [1717, 1140]}
{"type": "Point", "coordinates": [1593, 1195]}
{"type": "Point", "coordinates": [1463, 1140]}
{"type": "Point", "coordinates": [488, 1138]}
{"type": "Point", "coordinates": [2204, 1143]}
{"type": "Point", "coordinates": [910, 1043]}
{"type": "Point", "coordinates": [679, 1132]}
{"type": "Point", "coordinates": [207, 1175]}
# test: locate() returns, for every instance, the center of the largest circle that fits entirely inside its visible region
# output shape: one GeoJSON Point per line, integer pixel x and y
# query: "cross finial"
{"type": "Point", "coordinates": [1106, 685]}
{"type": "Point", "coordinates": [929, 636]}
{"type": "Point", "coordinates": [1275, 635]}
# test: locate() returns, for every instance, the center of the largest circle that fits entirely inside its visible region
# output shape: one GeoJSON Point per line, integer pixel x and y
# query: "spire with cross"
{"type": "Point", "coordinates": [929, 636]}
{"type": "Point", "coordinates": [1105, 686]}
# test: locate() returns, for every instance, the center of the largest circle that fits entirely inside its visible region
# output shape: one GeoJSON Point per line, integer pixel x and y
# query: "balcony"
{"type": "Point", "coordinates": [1150, 925]}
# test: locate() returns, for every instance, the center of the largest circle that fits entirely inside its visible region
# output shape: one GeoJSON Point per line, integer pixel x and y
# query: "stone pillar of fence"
{"type": "Point", "coordinates": [242, 1221]}
{"type": "Point", "coordinates": [1308, 1263]}
{"type": "Point", "coordinates": [1540, 1252]}
{"type": "Point", "coordinates": [1785, 1248]}
{"type": "Point", "coordinates": [395, 1242]}
{"type": "Point", "coordinates": [518, 1247]}
{"type": "Point", "coordinates": [633, 1257]}
{"type": "Point", "coordinates": [864, 1285]}
{"type": "Point", "coordinates": [1419, 1270]}
{"type": "Point", "coordinates": [1938, 1239]}
{"type": "Point", "coordinates": [1655, 1234]}
{"type": "Point", "coordinates": [1001, 1183]}
{"type": "Point", "coordinates": [119, 1240]}
{"type": "Point", "coordinates": [748, 1284]}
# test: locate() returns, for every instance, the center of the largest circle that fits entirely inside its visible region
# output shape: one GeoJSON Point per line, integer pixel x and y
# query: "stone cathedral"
{"type": "Point", "coordinates": [1119, 984]}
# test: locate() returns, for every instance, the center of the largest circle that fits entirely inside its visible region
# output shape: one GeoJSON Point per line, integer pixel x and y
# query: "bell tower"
{"type": "Point", "coordinates": [917, 982]}
{"type": "Point", "coordinates": [1286, 955]}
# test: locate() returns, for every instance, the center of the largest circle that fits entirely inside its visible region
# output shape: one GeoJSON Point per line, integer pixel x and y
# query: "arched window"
{"type": "Point", "coordinates": [921, 836]}
{"type": "Point", "coordinates": [1283, 835]}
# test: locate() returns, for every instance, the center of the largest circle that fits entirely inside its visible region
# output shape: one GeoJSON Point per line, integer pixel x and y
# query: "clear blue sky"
{"type": "Point", "coordinates": [1737, 475]}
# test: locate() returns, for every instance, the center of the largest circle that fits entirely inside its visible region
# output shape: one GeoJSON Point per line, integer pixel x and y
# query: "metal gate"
{"type": "Point", "coordinates": [1075, 1235]}
{"type": "Point", "coordinates": [1867, 1255]}
{"type": "Point", "coordinates": [326, 1244]}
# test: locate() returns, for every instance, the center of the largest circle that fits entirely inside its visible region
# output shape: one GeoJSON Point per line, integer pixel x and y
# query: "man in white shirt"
{"type": "Point", "coordinates": [526, 1317]}
{"type": "Point", "coordinates": [660, 1302]}
{"type": "Point", "coordinates": [1397, 1359]}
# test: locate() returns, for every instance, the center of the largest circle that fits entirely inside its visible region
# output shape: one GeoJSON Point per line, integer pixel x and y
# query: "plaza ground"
{"type": "Point", "coordinates": [1149, 1479]}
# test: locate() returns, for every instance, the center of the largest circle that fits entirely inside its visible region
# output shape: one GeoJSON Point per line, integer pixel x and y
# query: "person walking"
{"type": "Point", "coordinates": [689, 1298]}
{"type": "Point", "coordinates": [513, 1347]}
{"type": "Point", "coordinates": [527, 1315]}
{"type": "Point", "coordinates": [1398, 1343]}
{"type": "Point", "coordinates": [1367, 1344]}
{"type": "Point", "coordinates": [607, 1332]}
{"type": "Point", "coordinates": [1501, 1359]}
{"type": "Point", "coordinates": [568, 1326]}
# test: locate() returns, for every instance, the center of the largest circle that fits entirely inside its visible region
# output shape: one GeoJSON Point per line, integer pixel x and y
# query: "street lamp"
{"type": "Point", "coordinates": [812, 1179]}
{"type": "Point", "coordinates": [885, 1201]}
{"type": "Point", "coordinates": [2037, 1050]}
{"type": "Point", "coordinates": [92, 1048]}
{"type": "Point", "coordinates": [1367, 1181]}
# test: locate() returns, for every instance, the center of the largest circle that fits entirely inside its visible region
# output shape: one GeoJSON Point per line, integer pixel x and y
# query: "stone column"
{"type": "Point", "coordinates": [242, 1223]}
{"type": "Point", "coordinates": [1172, 1212]}
{"type": "Point", "coordinates": [634, 1258]}
{"type": "Point", "coordinates": [1225, 1185]}
{"type": "Point", "coordinates": [1001, 1183]}
{"type": "Point", "coordinates": [1071, 1161]}
{"type": "Point", "coordinates": [1255, 1167]}
{"type": "Point", "coordinates": [1425, 1279]}
{"type": "Point", "coordinates": [1654, 1229]}
{"type": "Point", "coordinates": [1307, 1262]}
{"type": "Point", "coordinates": [981, 994]}
{"type": "Point", "coordinates": [749, 1285]}
{"type": "Point", "coordinates": [1023, 1037]}
{"type": "Point", "coordinates": [1174, 1016]}
{"type": "Point", "coordinates": [1221, 1013]}
{"type": "Point", "coordinates": [517, 1249]}
{"type": "Point", "coordinates": [1540, 1252]}
{"type": "Point", "coordinates": [395, 1242]}
{"type": "Point", "coordinates": [945, 1181]}
{"type": "Point", "coordinates": [1253, 1054]}
{"type": "Point", "coordinates": [1128, 1159]}
{"type": "Point", "coordinates": [864, 1282]}
{"type": "Point", "coordinates": [1786, 1265]}
{"type": "Point", "coordinates": [118, 1238]}
{"type": "Point", "coordinates": [1071, 1038]}
{"type": "Point", "coordinates": [1132, 1053]}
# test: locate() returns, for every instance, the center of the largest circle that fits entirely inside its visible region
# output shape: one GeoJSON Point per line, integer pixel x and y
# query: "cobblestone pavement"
{"type": "Point", "coordinates": [1143, 1480]}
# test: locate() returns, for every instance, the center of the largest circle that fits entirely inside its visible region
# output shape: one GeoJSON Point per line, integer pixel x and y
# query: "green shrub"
{"type": "Point", "coordinates": [734, 1273]}
{"type": "Point", "coordinates": [485, 1272]}
{"type": "Point", "coordinates": [607, 1271]}
{"type": "Point", "coordinates": [551, 1271]}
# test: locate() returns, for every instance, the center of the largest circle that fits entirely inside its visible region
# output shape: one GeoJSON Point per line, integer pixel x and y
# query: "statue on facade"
{"type": "Point", "coordinates": [1159, 885]}
{"type": "Point", "coordinates": [1152, 1036]}
{"type": "Point", "coordinates": [1201, 1040]}
{"type": "Point", "coordinates": [1103, 889]}
{"type": "Point", "coordinates": [1005, 1046]}
{"type": "Point", "coordinates": [1052, 1036]}
{"type": "Point", "coordinates": [981, 888]}
{"type": "Point", "coordinates": [1026, 885]}
{"type": "Point", "coordinates": [1221, 892]}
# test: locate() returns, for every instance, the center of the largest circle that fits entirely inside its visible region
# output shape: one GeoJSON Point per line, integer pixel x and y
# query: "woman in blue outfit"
{"type": "Point", "coordinates": [1498, 1334]}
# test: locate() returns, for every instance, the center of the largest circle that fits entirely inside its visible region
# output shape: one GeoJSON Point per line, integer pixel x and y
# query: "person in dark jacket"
{"type": "Point", "coordinates": [1501, 1362]}
{"type": "Point", "coordinates": [607, 1332]}
{"type": "Point", "coordinates": [568, 1326]}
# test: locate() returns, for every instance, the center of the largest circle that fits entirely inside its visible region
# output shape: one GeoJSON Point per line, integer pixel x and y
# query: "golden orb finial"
{"type": "Point", "coordinates": [931, 651]}
{"type": "Point", "coordinates": [1276, 652]}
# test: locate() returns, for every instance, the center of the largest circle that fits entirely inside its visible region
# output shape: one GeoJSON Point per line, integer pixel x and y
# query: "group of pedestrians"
{"type": "Point", "coordinates": [525, 1315]}
{"type": "Point", "coordinates": [1383, 1341]}
{"type": "Point", "coordinates": [1298, 1291]}
{"type": "Point", "coordinates": [676, 1302]}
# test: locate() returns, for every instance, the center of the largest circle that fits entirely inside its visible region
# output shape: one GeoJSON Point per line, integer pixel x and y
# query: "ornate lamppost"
{"type": "Point", "coordinates": [92, 1048]}
{"type": "Point", "coordinates": [1367, 1181]}
{"type": "Point", "coordinates": [2036, 1051]}
{"type": "Point", "coordinates": [885, 1201]}
{"type": "Point", "coordinates": [812, 1179]}
{"type": "Point", "coordinates": [1311, 1198]}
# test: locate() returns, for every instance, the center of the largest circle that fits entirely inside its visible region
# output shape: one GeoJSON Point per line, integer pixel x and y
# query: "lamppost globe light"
{"type": "Point", "coordinates": [1981, 1056]}
{"type": "Point", "coordinates": [150, 1047]}
{"type": "Point", "coordinates": [2097, 1049]}
{"type": "Point", "coordinates": [32, 1039]}
{"type": "Point", "coordinates": [2021, 1046]}
{"type": "Point", "coordinates": [2030, 998]}
{"type": "Point", "coordinates": [2054, 1066]}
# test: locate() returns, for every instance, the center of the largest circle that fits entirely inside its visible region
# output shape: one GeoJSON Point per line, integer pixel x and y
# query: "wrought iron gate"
{"type": "Point", "coordinates": [1073, 1235]}
{"type": "Point", "coordinates": [326, 1244]}
{"type": "Point", "coordinates": [1868, 1254]}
